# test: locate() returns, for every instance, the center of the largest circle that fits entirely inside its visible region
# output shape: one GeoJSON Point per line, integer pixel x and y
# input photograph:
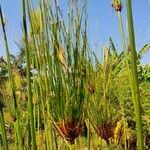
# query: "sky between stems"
{"type": "Point", "coordinates": [102, 24]}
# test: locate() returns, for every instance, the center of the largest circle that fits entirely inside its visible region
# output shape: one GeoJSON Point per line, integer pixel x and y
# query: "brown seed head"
{"type": "Point", "coordinates": [70, 129]}
{"type": "Point", "coordinates": [91, 88]}
{"type": "Point", "coordinates": [117, 5]}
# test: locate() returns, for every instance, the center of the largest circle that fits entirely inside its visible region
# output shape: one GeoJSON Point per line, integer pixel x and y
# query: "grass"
{"type": "Point", "coordinates": [62, 96]}
{"type": "Point", "coordinates": [11, 83]}
{"type": "Point", "coordinates": [30, 103]}
{"type": "Point", "coordinates": [3, 131]}
{"type": "Point", "coordinates": [135, 85]}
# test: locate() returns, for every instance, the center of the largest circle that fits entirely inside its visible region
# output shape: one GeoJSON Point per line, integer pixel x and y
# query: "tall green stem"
{"type": "Point", "coordinates": [2, 127]}
{"type": "Point", "coordinates": [126, 54]}
{"type": "Point", "coordinates": [30, 104]}
{"type": "Point", "coordinates": [11, 80]}
{"type": "Point", "coordinates": [89, 136]}
{"type": "Point", "coordinates": [122, 31]}
{"type": "Point", "coordinates": [135, 86]}
{"type": "Point", "coordinates": [124, 43]}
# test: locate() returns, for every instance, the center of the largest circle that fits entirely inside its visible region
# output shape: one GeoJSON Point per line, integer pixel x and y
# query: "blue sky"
{"type": "Point", "coordinates": [102, 24]}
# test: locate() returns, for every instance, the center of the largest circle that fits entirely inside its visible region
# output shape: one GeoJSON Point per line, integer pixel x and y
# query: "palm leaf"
{"type": "Point", "coordinates": [144, 50]}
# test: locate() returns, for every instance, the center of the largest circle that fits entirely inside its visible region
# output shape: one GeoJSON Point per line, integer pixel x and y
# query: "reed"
{"type": "Point", "coordinates": [2, 125]}
{"type": "Point", "coordinates": [30, 103]}
{"type": "Point", "coordinates": [134, 74]}
{"type": "Point", "coordinates": [11, 82]}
